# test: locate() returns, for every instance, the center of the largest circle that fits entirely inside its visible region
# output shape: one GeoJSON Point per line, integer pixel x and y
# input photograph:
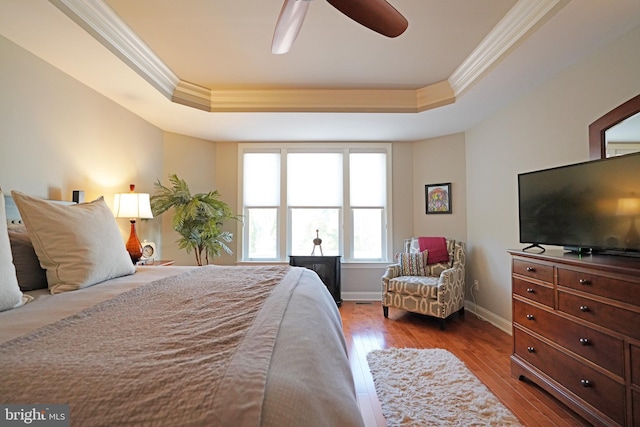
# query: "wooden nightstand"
{"type": "Point", "coordinates": [158, 263]}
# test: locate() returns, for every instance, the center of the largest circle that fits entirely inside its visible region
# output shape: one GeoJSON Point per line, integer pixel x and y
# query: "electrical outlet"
{"type": "Point", "coordinates": [476, 285]}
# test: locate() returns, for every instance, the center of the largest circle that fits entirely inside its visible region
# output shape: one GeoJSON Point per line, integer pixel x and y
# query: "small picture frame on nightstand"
{"type": "Point", "coordinates": [148, 251]}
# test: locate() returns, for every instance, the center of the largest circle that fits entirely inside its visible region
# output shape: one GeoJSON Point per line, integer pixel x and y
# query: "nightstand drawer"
{"type": "Point", "coordinates": [534, 270]}
{"type": "Point", "coordinates": [590, 385]}
{"type": "Point", "coordinates": [593, 345]}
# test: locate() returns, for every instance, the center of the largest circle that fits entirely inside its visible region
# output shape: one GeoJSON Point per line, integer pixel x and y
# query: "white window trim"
{"type": "Point", "coordinates": [283, 216]}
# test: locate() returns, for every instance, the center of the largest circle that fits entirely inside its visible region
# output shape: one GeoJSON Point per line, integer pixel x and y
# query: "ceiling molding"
{"type": "Point", "coordinates": [99, 20]}
{"type": "Point", "coordinates": [520, 22]}
{"type": "Point", "coordinates": [192, 95]}
{"type": "Point", "coordinates": [315, 100]}
{"type": "Point", "coordinates": [434, 96]}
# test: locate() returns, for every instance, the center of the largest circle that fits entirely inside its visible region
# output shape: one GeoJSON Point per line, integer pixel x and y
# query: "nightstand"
{"type": "Point", "coordinates": [158, 263]}
{"type": "Point", "coordinates": [327, 267]}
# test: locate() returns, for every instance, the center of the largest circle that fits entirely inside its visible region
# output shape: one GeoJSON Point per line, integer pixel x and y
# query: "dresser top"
{"type": "Point", "coordinates": [620, 264]}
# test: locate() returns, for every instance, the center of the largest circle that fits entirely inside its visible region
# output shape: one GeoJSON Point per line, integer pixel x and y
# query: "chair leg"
{"type": "Point", "coordinates": [442, 324]}
{"type": "Point", "coordinates": [385, 311]}
{"type": "Point", "coordinates": [461, 311]}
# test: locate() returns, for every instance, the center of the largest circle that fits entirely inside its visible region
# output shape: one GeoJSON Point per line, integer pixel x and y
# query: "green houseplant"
{"type": "Point", "coordinates": [198, 218]}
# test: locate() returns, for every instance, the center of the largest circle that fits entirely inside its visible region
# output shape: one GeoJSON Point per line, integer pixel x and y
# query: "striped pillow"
{"type": "Point", "coordinates": [412, 264]}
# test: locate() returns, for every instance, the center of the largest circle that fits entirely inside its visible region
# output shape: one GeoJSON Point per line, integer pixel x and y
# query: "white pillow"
{"type": "Point", "coordinates": [10, 294]}
{"type": "Point", "coordinates": [79, 245]}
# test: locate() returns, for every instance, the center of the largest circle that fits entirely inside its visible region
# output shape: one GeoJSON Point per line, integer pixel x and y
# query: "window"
{"type": "Point", "coordinates": [292, 194]}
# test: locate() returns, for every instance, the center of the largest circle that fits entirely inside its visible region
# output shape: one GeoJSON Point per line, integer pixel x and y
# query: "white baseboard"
{"type": "Point", "coordinates": [361, 296]}
{"type": "Point", "coordinates": [497, 321]}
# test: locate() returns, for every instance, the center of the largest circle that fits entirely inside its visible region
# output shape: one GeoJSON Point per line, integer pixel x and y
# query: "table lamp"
{"type": "Point", "coordinates": [630, 207]}
{"type": "Point", "coordinates": [132, 205]}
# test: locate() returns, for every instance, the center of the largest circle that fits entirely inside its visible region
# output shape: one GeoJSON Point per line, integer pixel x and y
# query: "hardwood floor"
{"type": "Point", "coordinates": [482, 347]}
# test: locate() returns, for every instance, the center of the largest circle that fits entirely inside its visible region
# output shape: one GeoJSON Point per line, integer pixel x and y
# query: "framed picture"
{"type": "Point", "coordinates": [438, 198]}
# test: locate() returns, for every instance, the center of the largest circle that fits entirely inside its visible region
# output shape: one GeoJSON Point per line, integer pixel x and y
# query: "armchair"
{"type": "Point", "coordinates": [433, 289]}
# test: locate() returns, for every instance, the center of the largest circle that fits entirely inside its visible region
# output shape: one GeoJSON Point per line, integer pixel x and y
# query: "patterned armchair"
{"type": "Point", "coordinates": [432, 289]}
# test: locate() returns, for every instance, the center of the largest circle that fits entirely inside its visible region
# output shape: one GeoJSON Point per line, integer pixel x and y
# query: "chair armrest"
{"type": "Point", "coordinates": [391, 272]}
{"type": "Point", "coordinates": [454, 276]}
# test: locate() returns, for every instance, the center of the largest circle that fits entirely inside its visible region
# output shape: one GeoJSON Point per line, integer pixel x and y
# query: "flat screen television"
{"type": "Point", "coordinates": [585, 207]}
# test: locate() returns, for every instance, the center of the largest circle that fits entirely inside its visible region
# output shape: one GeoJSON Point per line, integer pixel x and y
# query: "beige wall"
{"type": "Point", "coordinates": [56, 135]}
{"type": "Point", "coordinates": [227, 181]}
{"type": "Point", "coordinates": [545, 128]}
{"type": "Point", "coordinates": [194, 160]}
{"type": "Point", "coordinates": [437, 161]}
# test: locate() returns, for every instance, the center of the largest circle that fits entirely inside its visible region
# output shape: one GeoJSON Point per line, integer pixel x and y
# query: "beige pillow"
{"type": "Point", "coordinates": [10, 294]}
{"type": "Point", "coordinates": [78, 245]}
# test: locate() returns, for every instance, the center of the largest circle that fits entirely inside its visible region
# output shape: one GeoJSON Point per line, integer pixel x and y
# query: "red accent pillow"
{"type": "Point", "coordinates": [437, 247]}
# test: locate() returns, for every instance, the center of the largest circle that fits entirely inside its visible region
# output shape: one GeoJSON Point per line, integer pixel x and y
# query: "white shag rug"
{"type": "Point", "coordinates": [432, 387]}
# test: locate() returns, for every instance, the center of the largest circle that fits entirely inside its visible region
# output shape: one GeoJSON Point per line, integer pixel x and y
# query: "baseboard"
{"type": "Point", "coordinates": [484, 314]}
{"type": "Point", "coordinates": [497, 321]}
{"type": "Point", "coordinates": [361, 296]}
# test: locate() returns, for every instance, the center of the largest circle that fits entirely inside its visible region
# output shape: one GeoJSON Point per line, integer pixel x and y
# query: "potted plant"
{"type": "Point", "coordinates": [198, 218]}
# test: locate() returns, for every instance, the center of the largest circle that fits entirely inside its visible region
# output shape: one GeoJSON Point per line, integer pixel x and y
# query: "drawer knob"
{"type": "Point", "coordinates": [530, 269]}
{"type": "Point", "coordinates": [585, 341]}
{"type": "Point", "coordinates": [584, 282]}
{"type": "Point", "coordinates": [584, 308]}
{"type": "Point", "coordinates": [531, 291]}
{"type": "Point", "coordinates": [585, 383]}
{"type": "Point", "coordinates": [530, 317]}
{"type": "Point", "coordinates": [531, 349]}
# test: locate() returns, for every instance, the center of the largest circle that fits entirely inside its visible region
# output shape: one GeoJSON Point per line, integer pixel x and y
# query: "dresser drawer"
{"type": "Point", "coordinates": [635, 396]}
{"type": "Point", "coordinates": [617, 319]}
{"type": "Point", "coordinates": [533, 291]}
{"type": "Point", "coordinates": [597, 389]}
{"type": "Point", "coordinates": [617, 289]}
{"type": "Point", "coordinates": [635, 366]}
{"type": "Point", "coordinates": [533, 269]}
{"type": "Point", "coordinates": [602, 349]}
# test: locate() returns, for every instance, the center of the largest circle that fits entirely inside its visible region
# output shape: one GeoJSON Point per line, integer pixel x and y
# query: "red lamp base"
{"type": "Point", "coordinates": [134, 247]}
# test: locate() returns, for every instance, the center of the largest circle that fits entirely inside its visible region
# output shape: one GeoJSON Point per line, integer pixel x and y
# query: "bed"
{"type": "Point", "coordinates": [170, 345]}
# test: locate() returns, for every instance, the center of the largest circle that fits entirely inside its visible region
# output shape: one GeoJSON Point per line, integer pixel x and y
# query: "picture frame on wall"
{"type": "Point", "coordinates": [438, 198]}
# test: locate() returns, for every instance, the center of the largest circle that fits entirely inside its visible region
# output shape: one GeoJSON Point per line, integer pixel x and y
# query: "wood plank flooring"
{"type": "Point", "coordinates": [482, 347]}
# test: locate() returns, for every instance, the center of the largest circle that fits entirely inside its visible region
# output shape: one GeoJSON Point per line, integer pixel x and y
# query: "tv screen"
{"type": "Point", "coordinates": [590, 206]}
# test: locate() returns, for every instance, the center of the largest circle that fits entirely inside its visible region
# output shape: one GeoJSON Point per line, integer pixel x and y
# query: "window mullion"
{"type": "Point", "coordinates": [284, 232]}
{"type": "Point", "coordinates": [346, 217]}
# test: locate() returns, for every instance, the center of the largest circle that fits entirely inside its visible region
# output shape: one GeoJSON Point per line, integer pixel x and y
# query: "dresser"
{"type": "Point", "coordinates": [576, 331]}
{"type": "Point", "coordinates": [327, 267]}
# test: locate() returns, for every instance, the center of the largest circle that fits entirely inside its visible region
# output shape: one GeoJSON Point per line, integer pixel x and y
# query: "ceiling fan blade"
{"type": "Point", "coordinates": [288, 26]}
{"type": "Point", "coordinates": [377, 15]}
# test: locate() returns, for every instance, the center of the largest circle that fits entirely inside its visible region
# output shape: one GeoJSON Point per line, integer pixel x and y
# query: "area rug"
{"type": "Point", "coordinates": [432, 387]}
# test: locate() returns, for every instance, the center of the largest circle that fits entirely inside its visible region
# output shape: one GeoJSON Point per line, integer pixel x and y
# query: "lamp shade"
{"type": "Point", "coordinates": [628, 206]}
{"type": "Point", "coordinates": [132, 205]}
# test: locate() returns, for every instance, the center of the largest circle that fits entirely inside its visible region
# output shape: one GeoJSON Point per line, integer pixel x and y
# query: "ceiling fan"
{"type": "Point", "coordinates": [377, 15]}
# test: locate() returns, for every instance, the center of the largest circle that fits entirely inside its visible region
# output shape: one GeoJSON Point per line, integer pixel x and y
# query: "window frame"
{"type": "Point", "coordinates": [345, 225]}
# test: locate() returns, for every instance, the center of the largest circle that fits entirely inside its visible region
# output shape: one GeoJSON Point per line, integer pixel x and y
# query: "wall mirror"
{"type": "Point", "coordinates": [617, 132]}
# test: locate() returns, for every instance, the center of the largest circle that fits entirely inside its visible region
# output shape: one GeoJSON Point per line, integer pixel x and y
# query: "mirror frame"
{"type": "Point", "coordinates": [597, 129]}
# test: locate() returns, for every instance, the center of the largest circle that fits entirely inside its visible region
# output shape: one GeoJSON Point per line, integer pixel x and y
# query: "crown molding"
{"type": "Point", "coordinates": [314, 100]}
{"type": "Point", "coordinates": [518, 24]}
{"type": "Point", "coordinates": [99, 20]}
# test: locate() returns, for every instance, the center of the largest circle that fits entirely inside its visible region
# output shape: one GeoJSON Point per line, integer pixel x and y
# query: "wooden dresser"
{"type": "Point", "coordinates": [576, 331]}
